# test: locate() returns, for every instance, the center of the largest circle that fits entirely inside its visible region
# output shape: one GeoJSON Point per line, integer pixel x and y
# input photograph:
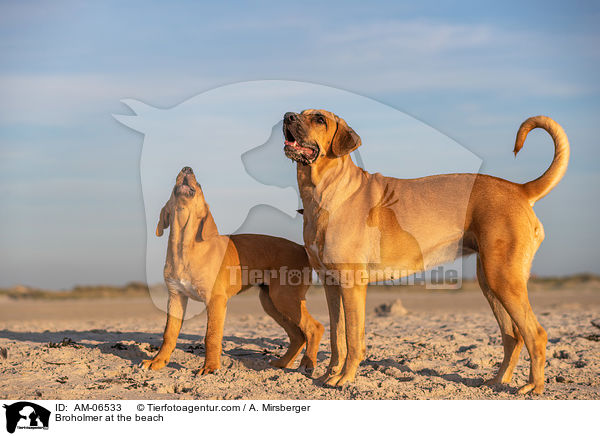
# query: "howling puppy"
{"type": "Point", "coordinates": [361, 228]}
{"type": "Point", "coordinates": [206, 266]}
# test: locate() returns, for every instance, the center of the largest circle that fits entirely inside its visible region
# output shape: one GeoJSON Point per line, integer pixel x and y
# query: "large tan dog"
{"type": "Point", "coordinates": [361, 227]}
{"type": "Point", "coordinates": [206, 266]}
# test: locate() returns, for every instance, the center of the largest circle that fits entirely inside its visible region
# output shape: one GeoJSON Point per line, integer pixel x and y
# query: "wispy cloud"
{"type": "Point", "coordinates": [381, 57]}
{"type": "Point", "coordinates": [418, 55]}
{"type": "Point", "coordinates": [415, 36]}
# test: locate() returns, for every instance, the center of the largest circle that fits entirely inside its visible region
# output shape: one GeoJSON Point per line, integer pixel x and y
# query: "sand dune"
{"type": "Point", "coordinates": [442, 349]}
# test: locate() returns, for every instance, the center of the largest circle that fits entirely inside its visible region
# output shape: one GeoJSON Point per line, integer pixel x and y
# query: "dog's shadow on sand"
{"type": "Point", "coordinates": [385, 364]}
{"type": "Point", "coordinates": [253, 353]}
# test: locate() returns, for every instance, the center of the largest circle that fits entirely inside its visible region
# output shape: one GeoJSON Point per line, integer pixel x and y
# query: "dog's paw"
{"type": "Point", "coordinates": [209, 368]}
{"type": "Point", "coordinates": [331, 372]}
{"type": "Point", "coordinates": [154, 364]}
{"type": "Point", "coordinates": [491, 382]}
{"type": "Point", "coordinates": [306, 370]}
{"type": "Point", "coordinates": [531, 387]}
{"type": "Point", "coordinates": [338, 380]}
{"type": "Point", "coordinates": [280, 363]}
{"type": "Point", "coordinates": [307, 366]}
{"type": "Point", "coordinates": [332, 380]}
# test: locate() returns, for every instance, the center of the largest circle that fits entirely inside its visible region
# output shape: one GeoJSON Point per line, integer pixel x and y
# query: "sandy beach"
{"type": "Point", "coordinates": [443, 348]}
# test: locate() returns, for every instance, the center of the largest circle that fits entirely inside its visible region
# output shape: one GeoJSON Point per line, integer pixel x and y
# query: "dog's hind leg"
{"type": "Point", "coordinates": [313, 330]}
{"type": "Point", "coordinates": [511, 337]}
{"type": "Point", "coordinates": [505, 267]}
{"type": "Point", "coordinates": [297, 338]}
{"type": "Point", "coordinates": [291, 303]}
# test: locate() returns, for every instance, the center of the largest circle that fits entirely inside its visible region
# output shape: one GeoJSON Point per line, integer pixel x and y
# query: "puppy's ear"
{"type": "Point", "coordinates": [163, 221]}
{"type": "Point", "coordinates": [207, 228]}
{"type": "Point", "coordinates": [345, 140]}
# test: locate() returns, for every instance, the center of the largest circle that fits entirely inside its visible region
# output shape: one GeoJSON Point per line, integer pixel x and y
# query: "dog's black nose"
{"type": "Point", "coordinates": [187, 170]}
{"type": "Point", "coordinates": [290, 116]}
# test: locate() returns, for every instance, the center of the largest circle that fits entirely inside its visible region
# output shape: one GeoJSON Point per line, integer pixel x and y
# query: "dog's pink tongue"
{"type": "Point", "coordinates": [290, 143]}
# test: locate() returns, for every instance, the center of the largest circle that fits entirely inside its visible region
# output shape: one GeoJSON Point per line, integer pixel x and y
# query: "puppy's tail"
{"type": "Point", "coordinates": [541, 186]}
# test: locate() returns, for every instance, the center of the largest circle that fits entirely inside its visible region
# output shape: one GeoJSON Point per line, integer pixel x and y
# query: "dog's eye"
{"type": "Point", "coordinates": [320, 119]}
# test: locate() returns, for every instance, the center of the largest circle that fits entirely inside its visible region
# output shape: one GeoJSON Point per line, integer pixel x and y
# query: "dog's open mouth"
{"type": "Point", "coordinates": [303, 152]}
{"type": "Point", "coordinates": [185, 187]}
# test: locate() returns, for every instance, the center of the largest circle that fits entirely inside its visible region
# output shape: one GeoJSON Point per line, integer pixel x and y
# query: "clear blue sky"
{"type": "Point", "coordinates": [71, 202]}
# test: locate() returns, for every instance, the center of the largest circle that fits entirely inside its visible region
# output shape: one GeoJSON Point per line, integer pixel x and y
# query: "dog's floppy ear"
{"type": "Point", "coordinates": [163, 221]}
{"type": "Point", "coordinates": [345, 140]}
{"type": "Point", "coordinates": [207, 228]}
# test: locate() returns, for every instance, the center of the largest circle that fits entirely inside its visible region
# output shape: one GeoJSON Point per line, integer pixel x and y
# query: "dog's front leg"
{"type": "Point", "coordinates": [337, 331]}
{"type": "Point", "coordinates": [175, 313]}
{"type": "Point", "coordinates": [216, 309]}
{"type": "Point", "coordinates": [353, 301]}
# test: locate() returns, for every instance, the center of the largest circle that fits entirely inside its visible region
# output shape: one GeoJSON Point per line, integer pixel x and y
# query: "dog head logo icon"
{"type": "Point", "coordinates": [26, 415]}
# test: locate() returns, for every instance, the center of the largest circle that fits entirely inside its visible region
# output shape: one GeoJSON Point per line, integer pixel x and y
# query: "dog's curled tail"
{"type": "Point", "coordinates": [541, 186]}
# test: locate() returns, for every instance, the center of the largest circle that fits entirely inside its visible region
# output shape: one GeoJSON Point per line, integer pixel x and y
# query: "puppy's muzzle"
{"type": "Point", "coordinates": [186, 182]}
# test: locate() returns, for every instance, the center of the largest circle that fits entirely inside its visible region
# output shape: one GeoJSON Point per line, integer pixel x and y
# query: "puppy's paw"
{"type": "Point", "coordinates": [491, 382]}
{"type": "Point", "coordinates": [154, 364]}
{"type": "Point", "coordinates": [531, 387]}
{"type": "Point", "coordinates": [306, 370]}
{"type": "Point", "coordinates": [307, 366]}
{"type": "Point", "coordinates": [280, 363]}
